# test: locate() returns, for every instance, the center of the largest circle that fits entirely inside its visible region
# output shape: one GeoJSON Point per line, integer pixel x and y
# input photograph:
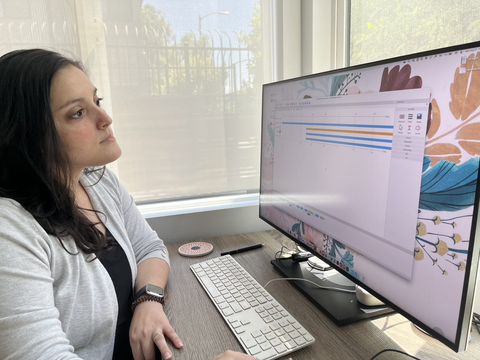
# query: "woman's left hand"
{"type": "Point", "coordinates": [149, 328]}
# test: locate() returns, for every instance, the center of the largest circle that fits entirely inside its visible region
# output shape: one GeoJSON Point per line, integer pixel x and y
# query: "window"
{"type": "Point", "coordinates": [383, 29]}
{"type": "Point", "coordinates": [186, 90]}
{"type": "Point", "coordinates": [181, 80]}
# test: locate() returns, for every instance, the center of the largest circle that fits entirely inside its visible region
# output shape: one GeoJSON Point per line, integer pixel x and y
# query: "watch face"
{"type": "Point", "coordinates": [154, 290]}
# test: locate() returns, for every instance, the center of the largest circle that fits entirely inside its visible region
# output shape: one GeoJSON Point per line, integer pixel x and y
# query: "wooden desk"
{"type": "Point", "coordinates": [205, 334]}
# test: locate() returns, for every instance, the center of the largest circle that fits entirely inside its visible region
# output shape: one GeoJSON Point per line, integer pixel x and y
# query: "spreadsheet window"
{"type": "Point", "coordinates": [378, 139]}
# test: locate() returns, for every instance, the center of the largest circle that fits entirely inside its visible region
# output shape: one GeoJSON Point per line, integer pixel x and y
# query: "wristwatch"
{"type": "Point", "coordinates": [149, 293]}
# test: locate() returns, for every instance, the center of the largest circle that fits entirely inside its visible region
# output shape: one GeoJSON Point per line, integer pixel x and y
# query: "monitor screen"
{"type": "Point", "coordinates": [373, 169]}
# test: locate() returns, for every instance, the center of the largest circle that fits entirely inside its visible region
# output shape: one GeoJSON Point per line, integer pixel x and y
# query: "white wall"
{"type": "Point", "coordinates": [202, 225]}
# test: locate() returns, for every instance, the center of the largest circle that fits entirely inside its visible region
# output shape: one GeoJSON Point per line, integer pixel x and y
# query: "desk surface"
{"type": "Point", "coordinates": [205, 334]}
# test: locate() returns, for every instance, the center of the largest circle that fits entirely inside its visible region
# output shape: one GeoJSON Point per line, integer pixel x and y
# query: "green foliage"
{"type": "Point", "coordinates": [201, 75]}
{"type": "Point", "coordinates": [158, 30]}
{"type": "Point", "coordinates": [193, 66]}
{"type": "Point", "coordinates": [184, 68]}
{"type": "Point", "coordinates": [383, 28]}
{"type": "Point", "coordinates": [253, 40]}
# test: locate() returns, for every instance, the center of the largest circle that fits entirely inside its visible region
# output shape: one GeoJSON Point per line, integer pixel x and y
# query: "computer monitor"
{"type": "Point", "coordinates": [373, 169]}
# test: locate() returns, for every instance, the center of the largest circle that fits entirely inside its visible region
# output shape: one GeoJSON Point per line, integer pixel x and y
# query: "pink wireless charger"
{"type": "Point", "coordinates": [195, 249]}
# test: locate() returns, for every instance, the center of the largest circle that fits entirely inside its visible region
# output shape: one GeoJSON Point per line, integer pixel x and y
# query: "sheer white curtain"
{"type": "Point", "coordinates": [181, 80]}
{"type": "Point", "coordinates": [186, 94]}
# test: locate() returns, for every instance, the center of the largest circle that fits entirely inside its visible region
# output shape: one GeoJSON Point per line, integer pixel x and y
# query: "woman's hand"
{"type": "Point", "coordinates": [149, 328]}
{"type": "Point", "coordinates": [233, 355]}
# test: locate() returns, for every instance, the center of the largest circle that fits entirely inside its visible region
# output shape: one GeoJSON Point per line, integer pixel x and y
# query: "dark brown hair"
{"type": "Point", "coordinates": [34, 166]}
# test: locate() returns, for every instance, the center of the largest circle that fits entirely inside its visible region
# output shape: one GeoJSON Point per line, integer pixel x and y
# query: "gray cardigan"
{"type": "Point", "coordinates": [54, 305]}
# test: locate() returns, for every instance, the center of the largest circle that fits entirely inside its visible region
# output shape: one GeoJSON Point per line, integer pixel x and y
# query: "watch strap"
{"type": "Point", "coordinates": [140, 293]}
{"type": "Point", "coordinates": [142, 299]}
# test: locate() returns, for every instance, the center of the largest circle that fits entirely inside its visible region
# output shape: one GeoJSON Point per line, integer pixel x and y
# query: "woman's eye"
{"type": "Point", "coordinates": [98, 102]}
{"type": "Point", "coordinates": [78, 114]}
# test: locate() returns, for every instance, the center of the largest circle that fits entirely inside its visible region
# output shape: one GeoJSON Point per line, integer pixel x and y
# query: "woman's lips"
{"type": "Point", "coordinates": [110, 138]}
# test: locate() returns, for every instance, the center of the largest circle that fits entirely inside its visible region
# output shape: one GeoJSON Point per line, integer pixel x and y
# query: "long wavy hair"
{"type": "Point", "coordinates": [34, 166]}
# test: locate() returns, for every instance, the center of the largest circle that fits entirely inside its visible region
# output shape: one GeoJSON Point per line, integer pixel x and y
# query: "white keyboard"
{"type": "Point", "coordinates": [264, 328]}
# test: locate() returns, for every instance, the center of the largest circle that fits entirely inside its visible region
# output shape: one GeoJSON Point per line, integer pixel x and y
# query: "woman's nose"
{"type": "Point", "coordinates": [103, 119]}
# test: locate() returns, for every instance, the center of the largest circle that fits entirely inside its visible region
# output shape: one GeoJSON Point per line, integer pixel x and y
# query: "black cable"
{"type": "Point", "coordinates": [393, 350]}
{"type": "Point", "coordinates": [421, 330]}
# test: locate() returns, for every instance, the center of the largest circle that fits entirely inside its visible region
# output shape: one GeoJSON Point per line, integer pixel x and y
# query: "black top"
{"type": "Point", "coordinates": [116, 263]}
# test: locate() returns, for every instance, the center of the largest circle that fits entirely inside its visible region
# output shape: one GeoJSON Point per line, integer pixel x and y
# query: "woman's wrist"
{"type": "Point", "coordinates": [145, 298]}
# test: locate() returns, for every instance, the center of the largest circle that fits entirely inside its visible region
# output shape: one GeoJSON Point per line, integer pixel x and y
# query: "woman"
{"type": "Point", "coordinates": [76, 250]}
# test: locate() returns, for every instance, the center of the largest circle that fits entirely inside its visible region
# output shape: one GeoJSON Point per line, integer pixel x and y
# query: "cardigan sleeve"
{"type": "Point", "coordinates": [29, 321]}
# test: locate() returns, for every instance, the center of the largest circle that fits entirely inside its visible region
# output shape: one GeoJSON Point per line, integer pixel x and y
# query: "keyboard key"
{"type": "Point", "coordinates": [288, 328]}
{"type": "Point", "coordinates": [263, 314]}
{"type": "Point", "coordinates": [272, 311]}
{"type": "Point", "coordinates": [265, 346]}
{"type": "Point", "coordinates": [277, 316]}
{"type": "Point", "coordinates": [290, 345]}
{"type": "Point", "coordinates": [228, 311]}
{"type": "Point", "coordinates": [274, 327]}
{"type": "Point", "coordinates": [300, 341]}
{"type": "Point", "coordinates": [294, 334]}
{"type": "Point", "coordinates": [270, 336]}
{"type": "Point", "coordinates": [266, 354]}
{"type": "Point", "coordinates": [219, 299]}
{"type": "Point", "coordinates": [261, 339]}
{"type": "Point", "coordinates": [248, 341]}
{"type": "Point", "coordinates": [265, 330]}
{"type": "Point", "coordinates": [245, 305]}
{"type": "Point", "coordinates": [254, 303]}
{"type": "Point", "coordinates": [308, 337]}
{"type": "Point", "coordinates": [236, 307]}
{"type": "Point", "coordinates": [255, 350]}
{"type": "Point", "coordinates": [283, 323]}
{"type": "Point", "coordinates": [256, 333]}
{"type": "Point", "coordinates": [275, 341]}
{"type": "Point", "coordinates": [261, 299]}
{"type": "Point", "coordinates": [268, 319]}
{"type": "Point", "coordinates": [236, 324]}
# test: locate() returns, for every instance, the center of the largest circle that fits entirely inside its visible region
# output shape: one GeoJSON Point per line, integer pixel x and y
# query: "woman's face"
{"type": "Point", "coordinates": [82, 124]}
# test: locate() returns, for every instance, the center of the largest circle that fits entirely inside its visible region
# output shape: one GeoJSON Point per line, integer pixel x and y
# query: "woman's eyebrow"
{"type": "Point", "coordinates": [73, 101]}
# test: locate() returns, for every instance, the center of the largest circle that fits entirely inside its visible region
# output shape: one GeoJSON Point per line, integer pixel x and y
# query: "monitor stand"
{"type": "Point", "coordinates": [342, 307]}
